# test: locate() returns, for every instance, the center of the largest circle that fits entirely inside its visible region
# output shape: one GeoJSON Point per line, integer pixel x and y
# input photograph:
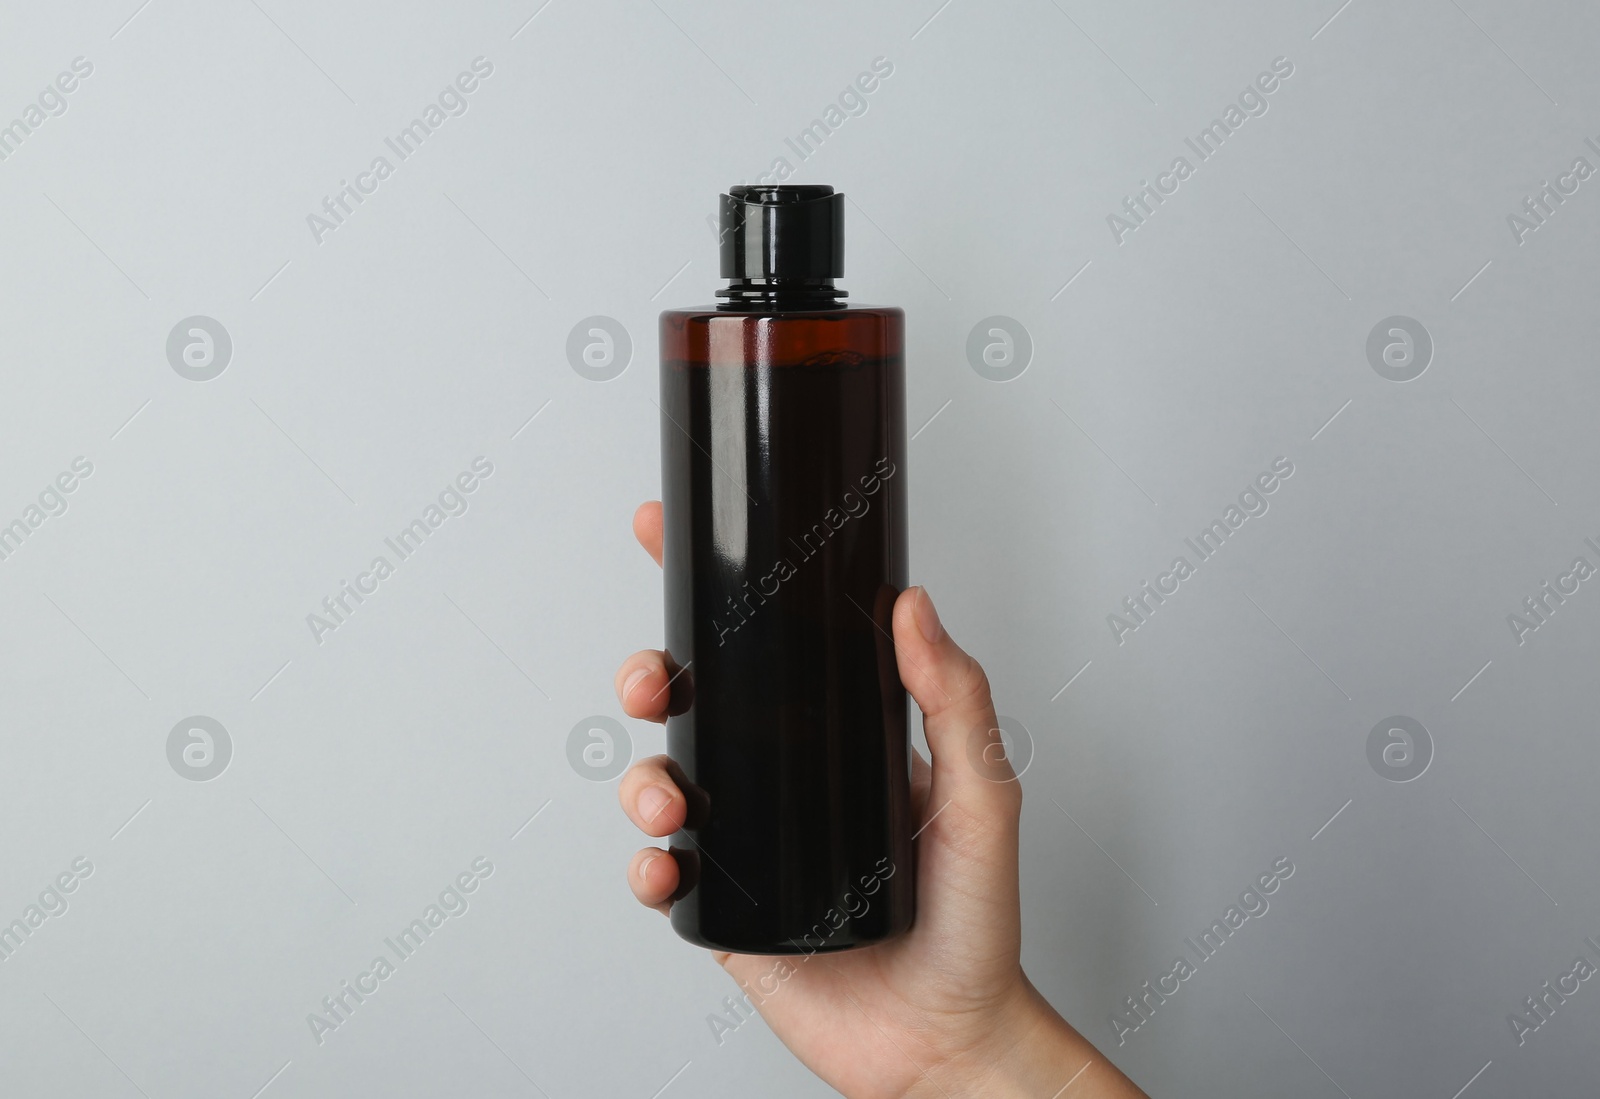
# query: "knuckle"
{"type": "Point", "coordinates": [969, 688]}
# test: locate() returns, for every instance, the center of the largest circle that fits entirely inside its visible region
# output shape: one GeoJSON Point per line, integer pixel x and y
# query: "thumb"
{"type": "Point", "coordinates": [972, 779]}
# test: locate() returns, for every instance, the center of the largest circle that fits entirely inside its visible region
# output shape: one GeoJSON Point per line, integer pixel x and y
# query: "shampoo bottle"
{"type": "Point", "coordinates": [784, 505]}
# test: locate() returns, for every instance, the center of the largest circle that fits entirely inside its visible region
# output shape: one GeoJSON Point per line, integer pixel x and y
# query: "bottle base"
{"type": "Point", "coordinates": [836, 943]}
{"type": "Point", "coordinates": [815, 939]}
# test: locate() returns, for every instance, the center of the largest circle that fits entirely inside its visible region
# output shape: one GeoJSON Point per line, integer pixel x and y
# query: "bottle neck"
{"type": "Point", "coordinates": [772, 295]}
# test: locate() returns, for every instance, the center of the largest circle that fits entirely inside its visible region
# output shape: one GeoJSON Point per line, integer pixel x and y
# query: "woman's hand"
{"type": "Point", "coordinates": [946, 1009]}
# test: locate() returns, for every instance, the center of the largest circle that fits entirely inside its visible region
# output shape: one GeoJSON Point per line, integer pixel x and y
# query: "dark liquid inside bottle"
{"type": "Point", "coordinates": [784, 500]}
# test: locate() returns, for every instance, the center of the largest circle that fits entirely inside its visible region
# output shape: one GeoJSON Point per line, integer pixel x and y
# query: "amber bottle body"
{"type": "Point", "coordinates": [784, 505]}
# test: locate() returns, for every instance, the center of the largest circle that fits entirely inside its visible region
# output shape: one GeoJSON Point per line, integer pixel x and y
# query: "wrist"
{"type": "Point", "coordinates": [1018, 1038]}
{"type": "Point", "coordinates": [1030, 1052]}
{"type": "Point", "coordinates": [1036, 1055]}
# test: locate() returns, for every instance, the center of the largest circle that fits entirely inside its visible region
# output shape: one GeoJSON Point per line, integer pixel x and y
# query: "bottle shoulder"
{"type": "Point", "coordinates": [789, 337]}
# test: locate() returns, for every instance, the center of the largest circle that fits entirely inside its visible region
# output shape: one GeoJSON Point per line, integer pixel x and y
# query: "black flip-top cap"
{"type": "Point", "coordinates": [782, 231]}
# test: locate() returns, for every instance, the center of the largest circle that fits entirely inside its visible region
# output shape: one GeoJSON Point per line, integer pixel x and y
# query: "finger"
{"type": "Point", "coordinates": [967, 847]}
{"type": "Point", "coordinates": [647, 528]}
{"type": "Point", "coordinates": [653, 875]}
{"type": "Point", "coordinates": [643, 685]}
{"type": "Point", "coordinates": [957, 716]}
{"type": "Point", "coordinates": [651, 797]}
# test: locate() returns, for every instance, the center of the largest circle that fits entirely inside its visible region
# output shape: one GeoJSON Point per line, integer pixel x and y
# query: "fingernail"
{"type": "Point", "coordinates": [644, 867]}
{"type": "Point", "coordinates": [653, 802]}
{"type": "Point", "coordinates": [927, 617]}
{"type": "Point", "coordinates": [633, 681]}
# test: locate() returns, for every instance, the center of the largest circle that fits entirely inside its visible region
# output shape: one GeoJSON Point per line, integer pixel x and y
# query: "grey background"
{"type": "Point", "coordinates": [371, 368]}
